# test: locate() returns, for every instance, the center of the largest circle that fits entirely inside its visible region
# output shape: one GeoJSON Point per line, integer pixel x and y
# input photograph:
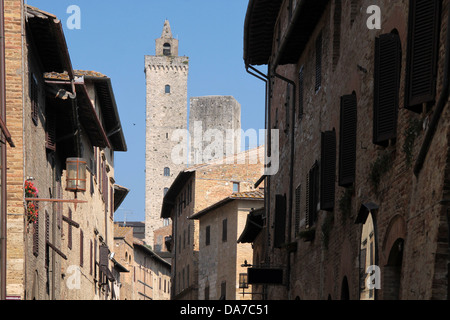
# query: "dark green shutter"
{"type": "Point", "coordinates": [423, 47]}
{"type": "Point", "coordinates": [347, 140]}
{"type": "Point", "coordinates": [328, 170]}
{"type": "Point", "coordinates": [388, 57]}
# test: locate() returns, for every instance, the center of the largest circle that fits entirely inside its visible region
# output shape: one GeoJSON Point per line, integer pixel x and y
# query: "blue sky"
{"type": "Point", "coordinates": [116, 35]}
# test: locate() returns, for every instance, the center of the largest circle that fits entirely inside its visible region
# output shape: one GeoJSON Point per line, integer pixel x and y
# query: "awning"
{"type": "Point", "coordinates": [253, 226]}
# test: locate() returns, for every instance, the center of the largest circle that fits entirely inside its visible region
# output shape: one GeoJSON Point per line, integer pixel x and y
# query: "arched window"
{"type": "Point", "coordinates": [167, 49]}
{"type": "Point", "coordinates": [167, 89]}
{"type": "Point", "coordinates": [166, 172]}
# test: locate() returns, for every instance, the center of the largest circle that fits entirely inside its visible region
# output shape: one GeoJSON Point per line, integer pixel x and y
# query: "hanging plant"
{"type": "Point", "coordinates": [32, 208]}
{"type": "Point", "coordinates": [30, 190]}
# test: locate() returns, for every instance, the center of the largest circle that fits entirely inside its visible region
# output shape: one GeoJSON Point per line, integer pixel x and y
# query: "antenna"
{"type": "Point", "coordinates": [125, 213]}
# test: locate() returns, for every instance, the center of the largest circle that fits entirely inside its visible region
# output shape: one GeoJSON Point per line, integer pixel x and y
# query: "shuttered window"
{"type": "Point", "coordinates": [328, 170]}
{"type": "Point", "coordinates": [47, 238]}
{"type": "Point", "coordinates": [301, 89]}
{"type": "Point", "coordinates": [298, 192]}
{"type": "Point", "coordinates": [225, 230]}
{"type": "Point", "coordinates": [318, 62]}
{"type": "Point", "coordinates": [280, 221]}
{"type": "Point", "coordinates": [312, 195]}
{"type": "Point", "coordinates": [208, 236]}
{"type": "Point", "coordinates": [34, 97]}
{"type": "Point", "coordinates": [347, 140]}
{"type": "Point", "coordinates": [423, 47]}
{"type": "Point", "coordinates": [36, 238]}
{"type": "Point", "coordinates": [69, 231]}
{"type": "Point", "coordinates": [337, 31]}
{"type": "Point", "coordinates": [81, 248]}
{"type": "Point", "coordinates": [50, 132]}
{"type": "Point", "coordinates": [388, 57]}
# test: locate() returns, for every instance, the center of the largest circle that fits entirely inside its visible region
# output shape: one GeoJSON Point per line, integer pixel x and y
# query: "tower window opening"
{"type": "Point", "coordinates": [167, 89]}
{"type": "Point", "coordinates": [167, 49]}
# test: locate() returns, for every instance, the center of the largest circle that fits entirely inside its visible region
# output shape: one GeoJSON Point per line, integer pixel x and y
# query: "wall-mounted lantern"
{"type": "Point", "coordinates": [243, 281]}
{"type": "Point", "coordinates": [76, 174]}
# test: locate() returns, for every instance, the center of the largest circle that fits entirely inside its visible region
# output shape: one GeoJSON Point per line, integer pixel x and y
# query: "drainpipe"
{"type": "Point", "coordinates": [291, 171]}
{"type": "Point", "coordinates": [443, 99]}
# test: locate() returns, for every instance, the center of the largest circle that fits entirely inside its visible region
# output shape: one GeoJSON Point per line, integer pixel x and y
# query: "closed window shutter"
{"type": "Point", "coordinates": [50, 133]}
{"type": "Point", "coordinates": [301, 89]}
{"type": "Point", "coordinates": [318, 62]}
{"type": "Point", "coordinates": [47, 238]}
{"type": "Point", "coordinates": [298, 191]}
{"type": "Point", "coordinates": [312, 195]}
{"type": "Point", "coordinates": [81, 248]}
{"type": "Point", "coordinates": [423, 46]}
{"type": "Point", "coordinates": [388, 57]}
{"type": "Point", "coordinates": [347, 138]}
{"type": "Point", "coordinates": [280, 221]}
{"type": "Point", "coordinates": [34, 97]}
{"type": "Point", "coordinates": [328, 170]}
{"type": "Point", "coordinates": [36, 237]}
{"type": "Point", "coordinates": [69, 231]}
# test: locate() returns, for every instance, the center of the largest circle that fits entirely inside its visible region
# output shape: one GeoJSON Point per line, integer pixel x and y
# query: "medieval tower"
{"type": "Point", "coordinates": [166, 111]}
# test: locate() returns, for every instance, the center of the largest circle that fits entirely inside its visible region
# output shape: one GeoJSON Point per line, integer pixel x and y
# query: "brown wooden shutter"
{"type": "Point", "coordinates": [91, 269]}
{"type": "Point", "coordinates": [36, 237]}
{"type": "Point", "coordinates": [388, 57]}
{"type": "Point", "coordinates": [47, 238]}
{"type": "Point", "coordinates": [301, 89]}
{"type": "Point", "coordinates": [328, 170]}
{"type": "Point", "coordinates": [318, 62]}
{"type": "Point", "coordinates": [347, 140]}
{"type": "Point", "coordinates": [34, 97]}
{"type": "Point", "coordinates": [280, 221]}
{"type": "Point", "coordinates": [313, 181]}
{"type": "Point", "coordinates": [50, 132]}
{"type": "Point", "coordinates": [69, 231]}
{"type": "Point", "coordinates": [298, 191]}
{"type": "Point", "coordinates": [224, 230]}
{"type": "Point", "coordinates": [423, 47]}
{"type": "Point", "coordinates": [81, 248]}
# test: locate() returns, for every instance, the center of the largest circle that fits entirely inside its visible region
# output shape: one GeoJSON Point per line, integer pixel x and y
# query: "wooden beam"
{"type": "Point", "coordinates": [55, 200]}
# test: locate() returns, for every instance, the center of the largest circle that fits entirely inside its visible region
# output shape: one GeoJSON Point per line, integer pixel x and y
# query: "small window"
{"type": "Point", "coordinates": [208, 236]}
{"type": "Point", "coordinates": [236, 187]}
{"type": "Point", "coordinates": [167, 90]}
{"type": "Point", "coordinates": [165, 191]}
{"type": "Point", "coordinates": [166, 172]}
{"type": "Point", "coordinates": [167, 49]}
{"type": "Point", "coordinates": [224, 230]}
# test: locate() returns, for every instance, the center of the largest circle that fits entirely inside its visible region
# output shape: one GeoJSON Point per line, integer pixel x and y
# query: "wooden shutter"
{"type": "Point", "coordinates": [312, 195]}
{"type": "Point", "coordinates": [91, 269]}
{"type": "Point", "coordinates": [328, 170]}
{"type": "Point", "coordinates": [280, 221]}
{"type": "Point", "coordinates": [301, 89]}
{"type": "Point", "coordinates": [69, 231]}
{"type": "Point", "coordinates": [347, 140]}
{"type": "Point", "coordinates": [224, 230]}
{"type": "Point", "coordinates": [386, 87]}
{"type": "Point", "coordinates": [81, 248]}
{"type": "Point", "coordinates": [36, 237]}
{"type": "Point", "coordinates": [34, 97]}
{"type": "Point", "coordinates": [298, 191]}
{"type": "Point", "coordinates": [50, 132]}
{"type": "Point", "coordinates": [47, 238]}
{"type": "Point", "coordinates": [208, 235]}
{"type": "Point", "coordinates": [423, 47]}
{"type": "Point", "coordinates": [318, 62]}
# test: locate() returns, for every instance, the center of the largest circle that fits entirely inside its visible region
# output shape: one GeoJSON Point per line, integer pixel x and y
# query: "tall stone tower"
{"type": "Point", "coordinates": [166, 80]}
{"type": "Point", "coordinates": [211, 119]}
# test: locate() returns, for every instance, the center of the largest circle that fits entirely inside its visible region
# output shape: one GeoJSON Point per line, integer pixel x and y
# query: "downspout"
{"type": "Point", "coordinates": [443, 99]}
{"type": "Point", "coordinates": [268, 152]}
{"type": "Point", "coordinates": [291, 171]}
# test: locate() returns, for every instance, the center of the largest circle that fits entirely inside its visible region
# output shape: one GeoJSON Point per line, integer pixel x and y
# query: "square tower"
{"type": "Point", "coordinates": [166, 112]}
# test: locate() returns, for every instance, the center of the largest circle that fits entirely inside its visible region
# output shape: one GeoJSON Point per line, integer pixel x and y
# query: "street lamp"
{"type": "Point", "coordinates": [76, 174]}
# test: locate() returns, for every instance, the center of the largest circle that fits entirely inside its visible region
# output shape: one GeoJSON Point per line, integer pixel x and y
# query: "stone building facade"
{"type": "Point", "coordinates": [48, 254]}
{"type": "Point", "coordinates": [222, 260]}
{"type": "Point", "coordinates": [166, 111]}
{"type": "Point", "coordinates": [364, 127]}
{"type": "Point", "coordinates": [195, 189]}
